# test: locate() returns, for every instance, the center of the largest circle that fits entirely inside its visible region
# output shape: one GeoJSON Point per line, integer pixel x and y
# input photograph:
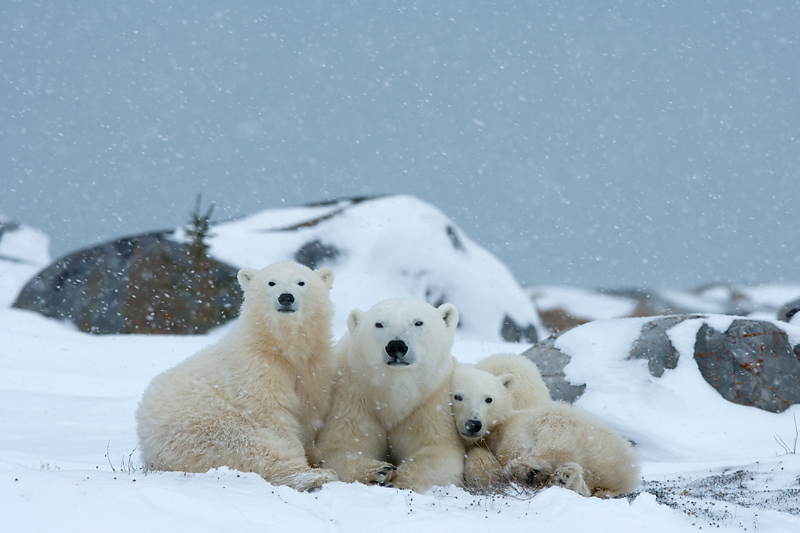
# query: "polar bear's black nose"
{"type": "Point", "coordinates": [286, 299]}
{"type": "Point", "coordinates": [473, 426]}
{"type": "Point", "coordinates": [396, 349]}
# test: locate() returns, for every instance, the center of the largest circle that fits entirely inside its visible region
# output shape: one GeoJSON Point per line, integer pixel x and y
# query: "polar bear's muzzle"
{"type": "Point", "coordinates": [396, 353]}
{"type": "Point", "coordinates": [472, 429]}
{"type": "Point", "coordinates": [285, 303]}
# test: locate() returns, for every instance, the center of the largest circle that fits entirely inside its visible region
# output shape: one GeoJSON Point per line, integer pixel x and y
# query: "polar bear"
{"type": "Point", "coordinates": [255, 400]}
{"type": "Point", "coordinates": [529, 389]}
{"type": "Point", "coordinates": [391, 422]}
{"type": "Point", "coordinates": [552, 444]}
{"type": "Point", "coordinates": [520, 387]}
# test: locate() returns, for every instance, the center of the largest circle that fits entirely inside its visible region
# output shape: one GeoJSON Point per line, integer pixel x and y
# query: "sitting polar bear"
{"type": "Point", "coordinates": [552, 444]}
{"type": "Point", "coordinates": [391, 423]}
{"type": "Point", "coordinates": [254, 400]}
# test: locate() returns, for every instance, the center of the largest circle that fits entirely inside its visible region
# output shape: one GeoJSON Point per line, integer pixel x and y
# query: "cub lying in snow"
{"type": "Point", "coordinates": [551, 444]}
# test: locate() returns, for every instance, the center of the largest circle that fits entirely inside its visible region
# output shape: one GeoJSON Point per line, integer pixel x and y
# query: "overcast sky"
{"type": "Point", "coordinates": [595, 144]}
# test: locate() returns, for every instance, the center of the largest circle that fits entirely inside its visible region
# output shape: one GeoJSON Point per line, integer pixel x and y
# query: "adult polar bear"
{"type": "Point", "coordinates": [391, 422]}
{"type": "Point", "coordinates": [254, 400]}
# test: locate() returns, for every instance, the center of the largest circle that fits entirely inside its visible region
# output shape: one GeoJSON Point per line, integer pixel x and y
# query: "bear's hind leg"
{"type": "Point", "coordinates": [569, 476]}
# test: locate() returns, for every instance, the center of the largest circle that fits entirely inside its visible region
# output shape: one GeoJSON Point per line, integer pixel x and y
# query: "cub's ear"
{"type": "Point", "coordinates": [509, 381]}
{"type": "Point", "coordinates": [246, 275]}
{"type": "Point", "coordinates": [450, 315]}
{"type": "Point", "coordinates": [326, 275]}
{"type": "Point", "coordinates": [354, 319]}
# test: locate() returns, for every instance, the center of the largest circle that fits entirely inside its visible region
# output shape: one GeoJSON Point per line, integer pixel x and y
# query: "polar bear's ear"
{"type": "Point", "coordinates": [353, 319]}
{"type": "Point", "coordinates": [509, 381]}
{"type": "Point", "coordinates": [326, 275]}
{"type": "Point", "coordinates": [246, 275]}
{"type": "Point", "coordinates": [450, 315]}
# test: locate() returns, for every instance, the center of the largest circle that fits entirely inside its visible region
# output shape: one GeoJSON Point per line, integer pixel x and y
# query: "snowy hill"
{"type": "Point", "coordinates": [68, 457]}
{"type": "Point", "coordinates": [382, 248]}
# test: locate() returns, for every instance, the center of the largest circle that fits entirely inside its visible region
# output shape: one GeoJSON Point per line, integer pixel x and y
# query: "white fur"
{"type": "Point", "coordinates": [529, 389]}
{"type": "Point", "coordinates": [388, 416]}
{"type": "Point", "coordinates": [551, 443]}
{"type": "Point", "coordinates": [254, 400]}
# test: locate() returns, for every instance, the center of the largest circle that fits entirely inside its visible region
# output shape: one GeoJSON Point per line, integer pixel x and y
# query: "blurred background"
{"type": "Point", "coordinates": [593, 144]}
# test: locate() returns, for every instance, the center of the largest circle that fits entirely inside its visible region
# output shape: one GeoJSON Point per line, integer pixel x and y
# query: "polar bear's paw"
{"type": "Point", "coordinates": [528, 471]}
{"type": "Point", "coordinates": [570, 476]}
{"type": "Point", "coordinates": [384, 475]}
{"type": "Point", "coordinates": [312, 480]}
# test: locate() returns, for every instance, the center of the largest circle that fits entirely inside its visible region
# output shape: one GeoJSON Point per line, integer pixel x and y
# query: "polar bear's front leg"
{"type": "Point", "coordinates": [432, 465]}
{"type": "Point", "coordinates": [481, 468]}
{"type": "Point", "coordinates": [353, 444]}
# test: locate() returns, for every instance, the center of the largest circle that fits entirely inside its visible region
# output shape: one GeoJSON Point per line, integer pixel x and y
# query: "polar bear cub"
{"type": "Point", "coordinates": [520, 387]}
{"type": "Point", "coordinates": [529, 389]}
{"type": "Point", "coordinates": [551, 443]}
{"type": "Point", "coordinates": [561, 445]}
{"type": "Point", "coordinates": [254, 400]}
{"type": "Point", "coordinates": [391, 422]}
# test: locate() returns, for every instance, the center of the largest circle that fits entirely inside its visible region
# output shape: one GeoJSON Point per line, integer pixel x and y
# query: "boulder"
{"type": "Point", "coordinates": [551, 362]}
{"type": "Point", "coordinates": [752, 362]}
{"type": "Point", "coordinates": [143, 284]}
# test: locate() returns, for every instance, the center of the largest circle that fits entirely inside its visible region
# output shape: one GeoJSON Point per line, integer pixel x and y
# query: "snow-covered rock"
{"type": "Point", "coordinates": [675, 370]}
{"type": "Point", "coordinates": [23, 252]}
{"type": "Point", "coordinates": [378, 248]}
{"type": "Point", "coordinates": [393, 246]}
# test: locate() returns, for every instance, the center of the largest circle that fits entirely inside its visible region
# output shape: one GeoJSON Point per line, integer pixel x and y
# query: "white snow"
{"type": "Point", "coordinates": [587, 305]}
{"type": "Point", "coordinates": [68, 459]}
{"type": "Point", "coordinates": [395, 246]}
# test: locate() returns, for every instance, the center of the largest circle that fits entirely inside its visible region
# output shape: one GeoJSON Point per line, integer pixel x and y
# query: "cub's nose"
{"type": "Point", "coordinates": [396, 349]}
{"type": "Point", "coordinates": [473, 426]}
{"type": "Point", "coordinates": [286, 299]}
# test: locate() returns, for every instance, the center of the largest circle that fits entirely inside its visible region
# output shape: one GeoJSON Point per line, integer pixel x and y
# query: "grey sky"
{"type": "Point", "coordinates": [591, 143]}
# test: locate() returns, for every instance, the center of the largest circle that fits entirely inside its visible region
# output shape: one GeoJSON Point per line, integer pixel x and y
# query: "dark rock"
{"type": "Point", "coordinates": [654, 345]}
{"type": "Point", "coordinates": [751, 363]}
{"type": "Point", "coordinates": [789, 310]}
{"type": "Point", "coordinates": [510, 331]}
{"type": "Point", "coordinates": [557, 319]}
{"type": "Point", "coordinates": [455, 240]}
{"type": "Point", "coordinates": [142, 284]}
{"type": "Point", "coordinates": [314, 254]}
{"type": "Point", "coordinates": [551, 362]}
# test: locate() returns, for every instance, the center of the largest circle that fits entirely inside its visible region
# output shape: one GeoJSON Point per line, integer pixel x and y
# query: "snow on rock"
{"type": "Point", "coordinates": [387, 247]}
{"type": "Point", "coordinates": [378, 248]}
{"type": "Point", "coordinates": [687, 418]}
{"type": "Point", "coordinates": [23, 251]}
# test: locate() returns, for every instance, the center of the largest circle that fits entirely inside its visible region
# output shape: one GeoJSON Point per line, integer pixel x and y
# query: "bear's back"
{"type": "Point", "coordinates": [530, 389]}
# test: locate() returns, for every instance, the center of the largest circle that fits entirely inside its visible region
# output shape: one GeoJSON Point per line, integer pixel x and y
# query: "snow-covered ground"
{"type": "Point", "coordinates": [68, 459]}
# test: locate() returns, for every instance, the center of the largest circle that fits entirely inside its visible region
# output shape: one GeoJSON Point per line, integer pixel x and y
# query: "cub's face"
{"type": "Point", "coordinates": [286, 290]}
{"type": "Point", "coordinates": [480, 401]}
{"type": "Point", "coordinates": [403, 334]}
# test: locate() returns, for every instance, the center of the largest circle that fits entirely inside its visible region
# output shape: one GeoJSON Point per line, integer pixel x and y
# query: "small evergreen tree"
{"type": "Point", "coordinates": [198, 231]}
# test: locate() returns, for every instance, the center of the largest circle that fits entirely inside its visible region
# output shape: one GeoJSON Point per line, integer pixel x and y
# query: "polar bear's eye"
{"type": "Point", "coordinates": [488, 400]}
{"type": "Point", "coordinates": [271, 283]}
{"type": "Point", "coordinates": [418, 323]}
{"type": "Point", "coordinates": [458, 397]}
{"type": "Point", "coordinates": [378, 325]}
{"type": "Point", "coordinates": [301, 283]}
